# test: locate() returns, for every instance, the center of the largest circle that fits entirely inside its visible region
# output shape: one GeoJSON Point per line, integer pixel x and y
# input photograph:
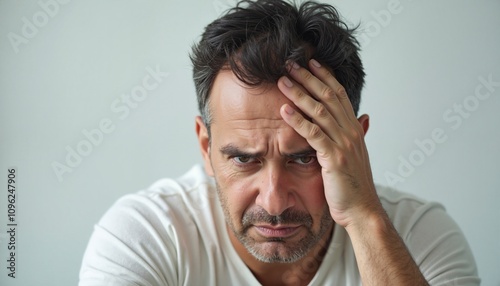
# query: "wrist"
{"type": "Point", "coordinates": [370, 221]}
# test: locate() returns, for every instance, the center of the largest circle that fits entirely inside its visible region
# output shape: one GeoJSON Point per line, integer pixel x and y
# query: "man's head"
{"type": "Point", "coordinates": [269, 181]}
{"type": "Point", "coordinates": [257, 38]}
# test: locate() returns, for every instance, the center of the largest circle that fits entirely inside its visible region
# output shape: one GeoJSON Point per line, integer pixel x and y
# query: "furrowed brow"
{"type": "Point", "coordinates": [233, 151]}
{"type": "Point", "coordinates": [309, 151]}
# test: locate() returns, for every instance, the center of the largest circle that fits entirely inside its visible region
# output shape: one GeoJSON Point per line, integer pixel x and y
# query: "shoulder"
{"type": "Point", "coordinates": [405, 209]}
{"type": "Point", "coordinates": [169, 198]}
{"type": "Point", "coordinates": [414, 217]}
{"type": "Point", "coordinates": [170, 209]}
{"type": "Point", "coordinates": [434, 239]}
{"type": "Point", "coordinates": [143, 236]}
{"type": "Point", "coordinates": [392, 198]}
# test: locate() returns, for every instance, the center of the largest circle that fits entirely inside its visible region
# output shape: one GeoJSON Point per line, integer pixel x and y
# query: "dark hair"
{"type": "Point", "coordinates": [255, 40]}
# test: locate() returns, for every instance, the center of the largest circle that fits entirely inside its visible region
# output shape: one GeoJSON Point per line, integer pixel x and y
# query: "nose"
{"type": "Point", "coordinates": [275, 195]}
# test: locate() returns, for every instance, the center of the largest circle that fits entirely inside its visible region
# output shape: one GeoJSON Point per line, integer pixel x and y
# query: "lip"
{"type": "Point", "coordinates": [277, 231]}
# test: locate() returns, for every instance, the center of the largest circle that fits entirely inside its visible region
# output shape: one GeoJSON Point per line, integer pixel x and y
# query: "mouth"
{"type": "Point", "coordinates": [277, 231]}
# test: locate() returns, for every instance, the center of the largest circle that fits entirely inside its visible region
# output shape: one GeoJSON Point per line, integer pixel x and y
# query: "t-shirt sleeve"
{"type": "Point", "coordinates": [440, 248]}
{"type": "Point", "coordinates": [131, 245]}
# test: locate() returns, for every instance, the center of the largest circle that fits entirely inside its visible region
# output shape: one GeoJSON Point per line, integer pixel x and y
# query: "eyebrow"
{"type": "Point", "coordinates": [233, 151]}
{"type": "Point", "coordinates": [308, 151]}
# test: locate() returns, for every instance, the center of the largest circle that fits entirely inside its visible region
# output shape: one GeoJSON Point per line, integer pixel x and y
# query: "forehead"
{"type": "Point", "coordinates": [231, 100]}
{"type": "Point", "coordinates": [249, 118]}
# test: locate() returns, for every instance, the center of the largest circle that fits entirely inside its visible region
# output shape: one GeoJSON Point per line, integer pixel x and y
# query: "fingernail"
{"type": "Point", "coordinates": [295, 65]}
{"type": "Point", "coordinates": [315, 63]}
{"type": "Point", "coordinates": [289, 110]}
{"type": "Point", "coordinates": [287, 82]}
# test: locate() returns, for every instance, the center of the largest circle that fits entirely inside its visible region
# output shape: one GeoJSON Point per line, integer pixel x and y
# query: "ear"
{"type": "Point", "coordinates": [202, 133]}
{"type": "Point", "coordinates": [364, 120]}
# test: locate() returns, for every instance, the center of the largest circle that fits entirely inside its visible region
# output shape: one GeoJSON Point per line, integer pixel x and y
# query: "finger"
{"type": "Point", "coordinates": [322, 92]}
{"type": "Point", "coordinates": [314, 135]}
{"type": "Point", "coordinates": [329, 79]}
{"type": "Point", "coordinates": [309, 106]}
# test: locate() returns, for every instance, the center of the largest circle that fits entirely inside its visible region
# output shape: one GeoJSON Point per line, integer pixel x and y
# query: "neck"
{"type": "Point", "coordinates": [300, 272]}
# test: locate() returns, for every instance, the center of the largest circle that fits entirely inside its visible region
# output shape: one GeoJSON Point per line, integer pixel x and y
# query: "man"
{"type": "Point", "coordinates": [286, 196]}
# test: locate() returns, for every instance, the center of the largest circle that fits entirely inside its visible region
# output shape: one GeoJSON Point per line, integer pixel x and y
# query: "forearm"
{"type": "Point", "coordinates": [381, 254]}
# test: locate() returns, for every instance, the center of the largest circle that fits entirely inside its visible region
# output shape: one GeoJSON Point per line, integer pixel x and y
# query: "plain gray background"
{"type": "Point", "coordinates": [65, 74]}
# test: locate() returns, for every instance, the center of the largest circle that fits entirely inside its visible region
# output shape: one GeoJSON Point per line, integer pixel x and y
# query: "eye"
{"type": "Point", "coordinates": [305, 160]}
{"type": "Point", "coordinates": [243, 159]}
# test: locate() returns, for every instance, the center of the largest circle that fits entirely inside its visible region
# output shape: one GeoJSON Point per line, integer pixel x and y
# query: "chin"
{"type": "Point", "coordinates": [278, 250]}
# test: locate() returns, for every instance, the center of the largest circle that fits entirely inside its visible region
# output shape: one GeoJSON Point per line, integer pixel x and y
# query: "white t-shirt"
{"type": "Point", "coordinates": [174, 233]}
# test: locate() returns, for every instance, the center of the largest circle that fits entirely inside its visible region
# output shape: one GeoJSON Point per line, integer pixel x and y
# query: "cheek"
{"type": "Point", "coordinates": [236, 191]}
{"type": "Point", "coordinates": [312, 195]}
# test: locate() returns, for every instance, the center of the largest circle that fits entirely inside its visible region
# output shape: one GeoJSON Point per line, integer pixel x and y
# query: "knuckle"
{"type": "Point", "coordinates": [300, 122]}
{"type": "Point", "coordinates": [356, 135]}
{"type": "Point", "coordinates": [306, 75]}
{"type": "Point", "coordinates": [320, 111]}
{"type": "Point", "coordinates": [301, 97]}
{"type": "Point", "coordinates": [315, 132]}
{"type": "Point", "coordinates": [341, 160]}
{"type": "Point", "coordinates": [349, 145]}
{"type": "Point", "coordinates": [351, 140]}
{"type": "Point", "coordinates": [328, 94]}
{"type": "Point", "coordinates": [300, 94]}
{"type": "Point", "coordinates": [342, 92]}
